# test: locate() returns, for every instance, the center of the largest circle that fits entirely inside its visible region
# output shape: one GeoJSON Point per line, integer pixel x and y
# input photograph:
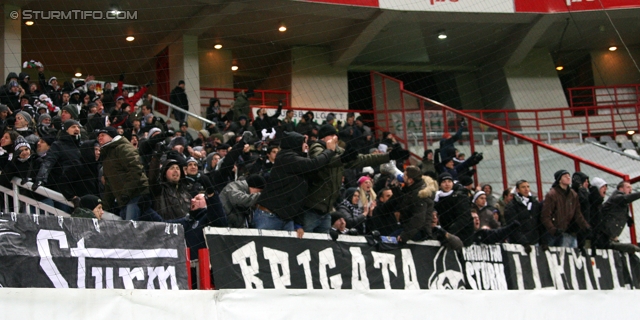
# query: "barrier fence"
{"type": "Point", "coordinates": [406, 115]}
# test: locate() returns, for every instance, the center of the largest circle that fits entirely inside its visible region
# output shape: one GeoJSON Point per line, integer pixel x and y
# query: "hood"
{"type": "Point", "coordinates": [292, 141]}
{"type": "Point", "coordinates": [578, 179]}
{"type": "Point", "coordinates": [166, 165]}
{"type": "Point", "coordinates": [22, 76]}
{"type": "Point", "coordinates": [429, 189]}
{"type": "Point", "coordinates": [11, 75]}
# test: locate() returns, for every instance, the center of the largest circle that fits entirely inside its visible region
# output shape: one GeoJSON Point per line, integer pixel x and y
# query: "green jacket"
{"type": "Point", "coordinates": [82, 213]}
{"type": "Point", "coordinates": [241, 106]}
{"type": "Point", "coordinates": [123, 172]}
{"type": "Point", "coordinates": [324, 184]}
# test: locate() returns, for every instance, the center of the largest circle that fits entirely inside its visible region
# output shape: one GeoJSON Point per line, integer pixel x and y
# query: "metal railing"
{"type": "Point", "coordinates": [19, 200]}
{"type": "Point", "coordinates": [171, 107]}
{"type": "Point", "coordinates": [396, 108]}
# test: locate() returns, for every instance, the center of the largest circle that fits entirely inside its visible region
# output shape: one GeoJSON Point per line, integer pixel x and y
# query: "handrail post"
{"type": "Point", "coordinates": [632, 229]}
{"type": "Point", "coordinates": [16, 200]}
{"type": "Point", "coordinates": [204, 269]}
{"type": "Point", "coordinates": [424, 127]}
{"type": "Point", "coordinates": [536, 165]}
{"type": "Point", "coordinates": [503, 164]}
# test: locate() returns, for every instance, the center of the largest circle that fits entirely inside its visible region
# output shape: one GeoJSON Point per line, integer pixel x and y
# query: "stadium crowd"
{"type": "Point", "coordinates": [109, 151]}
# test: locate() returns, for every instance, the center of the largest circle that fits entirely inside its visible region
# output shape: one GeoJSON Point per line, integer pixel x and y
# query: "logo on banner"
{"type": "Point", "coordinates": [156, 277]}
{"type": "Point", "coordinates": [484, 267]}
{"type": "Point", "coordinates": [446, 276]}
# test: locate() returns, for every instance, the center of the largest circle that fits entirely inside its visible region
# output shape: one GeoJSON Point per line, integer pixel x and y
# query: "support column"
{"type": "Point", "coordinates": [12, 42]}
{"type": "Point", "coordinates": [184, 65]}
{"type": "Point", "coordinates": [315, 83]}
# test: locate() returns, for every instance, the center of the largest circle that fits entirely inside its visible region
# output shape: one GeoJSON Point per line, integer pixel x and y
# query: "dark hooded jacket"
{"type": "Point", "coordinates": [288, 187]}
{"type": "Point", "coordinates": [65, 154]}
{"type": "Point", "coordinates": [171, 200]}
{"type": "Point", "coordinates": [416, 209]}
{"type": "Point", "coordinates": [560, 209]}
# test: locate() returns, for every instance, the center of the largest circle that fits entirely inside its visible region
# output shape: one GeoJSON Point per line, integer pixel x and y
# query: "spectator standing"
{"type": "Point", "coordinates": [615, 215]}
{"type": "Point", "coordinates": [524, 208]}
{"type": "Point", "coordinates": [561, 208]}
{"type": "Point", "coordinates": [178, 97]}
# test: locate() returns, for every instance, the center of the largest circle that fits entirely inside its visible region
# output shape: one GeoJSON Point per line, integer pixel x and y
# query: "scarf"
{"type": "Point", "coordinates": [525, 200]}
{"type": "Point", "coordinates": [355, 210]}
{"type": "Point", "coordinates": [442, 194]}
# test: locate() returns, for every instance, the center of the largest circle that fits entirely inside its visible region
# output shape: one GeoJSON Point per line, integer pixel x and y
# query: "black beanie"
{"type": "Point", "coordinates": [256, 181]}
{"type": "Point", "coordinates": [335, 216]}
{"type": "Point", "coordinates": [70, 122]}
{"type": "Point", "coordinates": [111, 131]}
{"type": "Point", "coordinates": [444, 176]}
{"type": "Point", "coordinates": [466, 180]}
{"type": "Point", "coordinates": [326, 130]}
{"type": "Point", "coordinates": [90, 201]}
{"type": "Point", "coordinates": [559, 175]}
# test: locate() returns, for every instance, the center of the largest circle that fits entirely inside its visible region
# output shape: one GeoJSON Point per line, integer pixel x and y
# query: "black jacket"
{"type": "Point", "coordinates": [529, 218]}
{"type": "Point", "coordinates": [288, 186]}
{"type": "Point", "coordinates": [454, 214]}
{"type": "Point", "coordinates": [76, 178]}
{"type": "Point", "coordinates": [416, 209]}
{"type": "Point", "coordinates": [178, 97]}
{"type": "Point", "coordinates": [267, 122]}
{"type": "Point", "coordinates": [615, 213]}
{"type": "Point", "coordinates": [170, 200]}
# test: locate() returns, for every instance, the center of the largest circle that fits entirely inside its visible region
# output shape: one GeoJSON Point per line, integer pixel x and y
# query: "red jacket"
{"type": "Point", "coordinates": [134, 99]}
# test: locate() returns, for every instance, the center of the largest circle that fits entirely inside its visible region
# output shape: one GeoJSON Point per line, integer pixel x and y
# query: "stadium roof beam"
{"type": "Point", "coordinates": [351, 45]}
{"type": "Point", "coordinates": [537, 28]}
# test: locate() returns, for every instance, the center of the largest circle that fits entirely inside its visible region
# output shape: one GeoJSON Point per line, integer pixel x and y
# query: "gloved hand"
{"type": "Point", "coordinates": [280, 104]}
{"type": "Point", "coordinates": [349, 154]}
{"type": "Point", "coordinates": [76, 202]}
{"type": "Point", "coordinates": [396, 190]}
{"type": "Point", "coordinates": [630, 222]}
{"type": "Point", "coordinates": [478, 156]}
{"type": "Point", "coordinates": [36, 184]}
{"type": "Point", "coordinates": [149, 84]}
{"type": "Point", "coordinates": [121, 78]}
{"type": "Point", "coordinates": [334, 234]}
{"type": "Point", "coordinates": [439, 234]}
{"type": "Point", "coordinates": [399, 154]}
{"type": "Point", "coordinates": [24, 181]}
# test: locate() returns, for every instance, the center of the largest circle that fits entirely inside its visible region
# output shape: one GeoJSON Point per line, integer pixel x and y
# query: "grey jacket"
{"type": "Point", "coordinates": [237, 202]}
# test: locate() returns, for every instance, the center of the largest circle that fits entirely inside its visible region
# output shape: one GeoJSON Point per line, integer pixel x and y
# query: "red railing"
{"type": "Point", "coordinates": [593, 121]}
{"type": "Point", "coordinates": [261, 97]}
{"type": "Point", "coordinates": [391, 101]}
{"type": "Point", "coordinates": [622, 95]}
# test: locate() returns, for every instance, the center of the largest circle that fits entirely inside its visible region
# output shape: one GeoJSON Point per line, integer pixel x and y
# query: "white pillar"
{"type": "Point", "coordinates": [315, 83]}
{"type": "Point", "coordinates": [12, 41]}
{"type": "Point", "coordinates": [183, 65]}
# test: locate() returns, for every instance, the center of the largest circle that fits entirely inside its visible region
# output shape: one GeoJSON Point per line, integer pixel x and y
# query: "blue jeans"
{"type": "Point", "coordinates": [269, 221]}
{"type": "Point", "coordinates": [131, 211]}
{"type": "Point", "coordinates": [563, 240]}
{"type": "Point", "coordinates": [315, 221]}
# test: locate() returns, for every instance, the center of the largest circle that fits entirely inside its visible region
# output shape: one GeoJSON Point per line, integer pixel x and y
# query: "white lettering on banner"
{"type": "Point", "coordinates": [385, 262]}
{"type": "Point", "coordinates": [251, 269]}
{"type": "Point", "coordinates": [304, 259]}
{"type": "Point", "coordinates": [359, 279]}
{"type": "Point", "coordinates": [570, 1]}
{"type": "Point", "coordinates": [96, 273]}
{"type": "Point", "coordinates": [108, 277]}
{"type": "Point", "coordinates": [614, 271]}
{"type": "Point", "coordinates": [556, 266]}
{"type": "Point", "coordinates": [163, 274]}
{"type": "Point", "coordinates": [128, 275]}
{"type": "Point", "coordinates": [278, 259]}
{"type": "Point", "coordinates": [46, 260]}
{"type": "Point", "coordinates": [485, 6]}
{"type": "Point", "coordinates": [579, 262]}
{"type": "Point", "coordinates": [409, 271]}
{"type": "Point", "coordinates": [594, 266]}
{"type": "Point", "coordinates": [484, 267]}
{"type": "Point", "coordinates": [327, 259]}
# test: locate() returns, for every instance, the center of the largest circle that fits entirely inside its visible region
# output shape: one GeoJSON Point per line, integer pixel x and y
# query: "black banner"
{"type": "Point", "coordinates": [273, 259]}
{"type": "Point", "coordinates": [55, 252]}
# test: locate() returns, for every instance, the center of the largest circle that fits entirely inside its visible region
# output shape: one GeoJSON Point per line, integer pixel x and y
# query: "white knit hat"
{"type": "Point", "coordinates": [598, 182]}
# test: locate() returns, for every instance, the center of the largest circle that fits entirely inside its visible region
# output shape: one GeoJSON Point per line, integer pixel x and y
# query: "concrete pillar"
{"type": "Point", "coordinates": [12, 41]}
{"type": "Point", "coordinates": [184, 65]}
{"type": "Point", "coordinates": [315, 83]}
